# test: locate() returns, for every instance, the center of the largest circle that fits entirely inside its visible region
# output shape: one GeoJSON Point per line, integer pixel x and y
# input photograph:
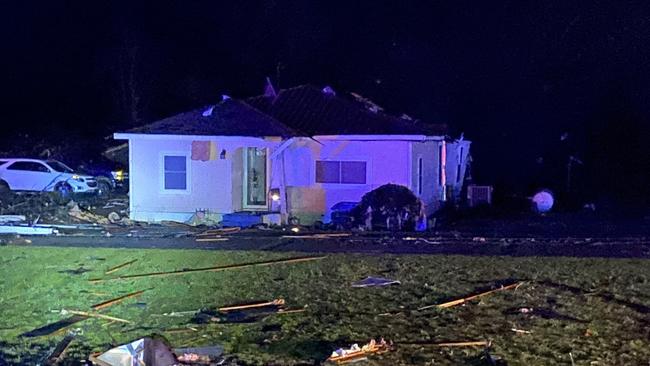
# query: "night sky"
{"type": "Point", "coordinates": [513, 76]}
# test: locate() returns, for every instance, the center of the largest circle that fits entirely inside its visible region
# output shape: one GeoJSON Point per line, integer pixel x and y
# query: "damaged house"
{"type": "Point", "coordinates": [295, 153]}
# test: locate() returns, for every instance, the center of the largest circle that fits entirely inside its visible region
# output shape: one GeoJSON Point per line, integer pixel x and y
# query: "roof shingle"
{"type": "Point", "coordinates": [228, 118]}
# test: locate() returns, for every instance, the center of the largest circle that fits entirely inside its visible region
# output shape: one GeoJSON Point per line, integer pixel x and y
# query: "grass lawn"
{"type": "Point", "coordinates": [595, 309]}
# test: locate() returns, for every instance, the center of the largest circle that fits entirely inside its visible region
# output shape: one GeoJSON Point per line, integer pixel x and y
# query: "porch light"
{"type": "Point", "coordinates": [274, 194]}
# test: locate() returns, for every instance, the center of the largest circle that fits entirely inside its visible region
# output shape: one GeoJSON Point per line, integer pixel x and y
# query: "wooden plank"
{"type": "Point", "coordinates": [276, 302]}
{"type": "Point", "coordinates": [116, 300]}
{"type": "Point", "coordinates": [209, 269]}
{"type": "Point", "coordinates": [469, 298]}
{"type": "Point", "coordinates": [120, 266]}
{"type": "Point", "coordinates": [99, 316]}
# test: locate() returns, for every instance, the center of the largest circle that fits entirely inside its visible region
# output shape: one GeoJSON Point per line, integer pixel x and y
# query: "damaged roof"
{"type": "Point", "coordinates": [227, 118]}
{"type": "Point", "coordinates": [300, 111]}
{"type": "Point", "coordinates": [321, 112]}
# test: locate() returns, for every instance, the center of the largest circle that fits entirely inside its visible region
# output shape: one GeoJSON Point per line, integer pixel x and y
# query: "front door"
{"type": "Point", "coordinates": [255, 179]}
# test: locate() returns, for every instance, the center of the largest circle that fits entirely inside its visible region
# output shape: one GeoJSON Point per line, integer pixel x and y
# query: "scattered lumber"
{"type": "Point", "coordinates": [116, 300]}
{"type": "Point", "coordinates": [209, 269]}
{"type": "Point", "coordinates": [64, 323]}
{"type": "Point", "coordinates": [448, 344]}
{"type": "Point", "coordinates": [211, 239]}
{"type": "Point", "coordinates": [120, 266]}
{"type": "Point", "coordinates": [59, 351]}
{"type": "Point", "coordinates": [276, 302]}
{"type": "Point", "coordinates": [97, 315]}
{"type": "Point", "coordinates": [223, 231]}
{"type": "Point", "coordinates": [463, 344]}
{"type": "Point", "coordinates": [317, 236]}
{"type": "Point", "coordinates": [472, 297]}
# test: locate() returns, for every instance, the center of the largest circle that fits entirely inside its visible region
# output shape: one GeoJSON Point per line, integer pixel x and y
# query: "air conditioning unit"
{"type": "Point", "coordinates": [479, 195]}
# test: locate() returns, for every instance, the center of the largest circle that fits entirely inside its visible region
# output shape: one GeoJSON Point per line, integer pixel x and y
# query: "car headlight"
{"type": "Point", "coordinates": [78, 178]}
{"type": "Point", "coordinates": [118, 175]}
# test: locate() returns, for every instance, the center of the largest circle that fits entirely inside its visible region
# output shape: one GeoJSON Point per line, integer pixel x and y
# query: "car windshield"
{"type": "Point", "coordinates": [59, 166]}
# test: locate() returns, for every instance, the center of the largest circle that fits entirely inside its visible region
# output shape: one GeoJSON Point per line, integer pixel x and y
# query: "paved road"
{"type": "Point", "coordinates": [607, 247]}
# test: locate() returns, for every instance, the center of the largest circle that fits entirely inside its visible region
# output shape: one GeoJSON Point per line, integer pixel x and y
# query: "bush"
{"type": "Point", "coordinates": [394, 207]}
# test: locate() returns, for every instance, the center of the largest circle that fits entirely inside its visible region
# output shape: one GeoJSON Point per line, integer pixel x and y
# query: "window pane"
{"type": "Point", "coordinates": [19, 165]}
{"type": "Point", "coordinates": [353, 172]}
{"type": "Point", "coordinates": [174, 180]}
{"type": "Point", "coordinates": [175, 163]}
{"type": "Point", "coordinates": [327, 171]}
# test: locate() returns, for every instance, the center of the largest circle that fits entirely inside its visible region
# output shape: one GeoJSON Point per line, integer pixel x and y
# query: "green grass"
{"type": "Point", "coordinates": [610, 295]}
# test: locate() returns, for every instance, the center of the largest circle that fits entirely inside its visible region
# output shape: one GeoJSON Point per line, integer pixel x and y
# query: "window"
{"type": "Point", "coordinates": [419, 176]}
{"type": "Point", "coordinates": [59, 166]}
{"type": "Point", "coordinates": [343, 172]}
{"type": "Point", "coordinates": [30, 166]}
{"type": "Point", "coordinates": [175, 170]}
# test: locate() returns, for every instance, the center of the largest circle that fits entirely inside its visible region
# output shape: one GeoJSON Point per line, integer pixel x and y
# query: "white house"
{"type": "Point", "coordinates": [295, 153]}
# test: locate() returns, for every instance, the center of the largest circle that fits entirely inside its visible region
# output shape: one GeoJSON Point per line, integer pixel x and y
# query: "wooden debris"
{"type": "Point", "coordinates": [97, 315]}
{"type": "Point", "coordinates": [521, 331]}
{"type": "Point", "coordinates": [469, 298]}
{"type": "Point", "coordinates": [276, 302]}
{"type": "Point", "coordinates": [53, 327]}
{"type": "Point", "coordinates": [211, 239]}
{"type": "Point", "coordinates": [210, 269]}
{"type": "Point", "coordinates": [463, 344]}
{"type": "Point", "coordinates": [449, 344]}
{"type": "Point", "coordinates": [116, 300]}
{"type": "Point", "coordinates": [118, 267]}
{"type": "Point", "coordinates": [226, 230]}
{"type": "Point", "coordinates": [317, 236]}
{"type": "Point", "coordinates": [356, 353]}
{"type": "Point", "coordinates": [64, 323]}
{"type": "Point", "coordinates": [59, 351]}
{"type": "Point", "coordinates": [180, 330]}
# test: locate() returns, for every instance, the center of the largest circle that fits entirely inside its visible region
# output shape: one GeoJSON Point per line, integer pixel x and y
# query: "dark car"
{"type": "Point", "coordinates": [112, 177]}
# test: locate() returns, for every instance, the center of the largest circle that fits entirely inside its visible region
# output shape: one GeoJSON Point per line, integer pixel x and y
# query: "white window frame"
{"type": "Point", "coordinates": [344, 185]}
{"type": "Point", "coordinates": [188, 173]}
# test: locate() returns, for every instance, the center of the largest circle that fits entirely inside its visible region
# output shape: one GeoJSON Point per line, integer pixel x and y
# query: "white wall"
{"type": "Point", "coordinates": [209, 182]}
{"type": "Point", "coordinates": [387, 162]}
{"type": "Point", "coordinates": [431, 189]}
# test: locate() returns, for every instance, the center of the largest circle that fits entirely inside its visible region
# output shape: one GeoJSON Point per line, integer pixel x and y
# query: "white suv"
{"type": "Point", "coordinates": [44, 176]}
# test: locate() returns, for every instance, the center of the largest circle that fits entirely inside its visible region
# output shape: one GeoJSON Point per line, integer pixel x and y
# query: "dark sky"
{"type": "Point", "coordinates": [512, 75]}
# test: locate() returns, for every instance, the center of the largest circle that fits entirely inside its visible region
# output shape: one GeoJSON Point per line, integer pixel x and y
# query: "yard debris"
{"type": "Point", "coordinates": [116, 300]}
{"type": "Point", "coordinates": [242, 313]}
{"type": "Point", "coordinates": [83, 215]}
{"type": "Point", "coordinates": [544, 313]}
{"type": "Point", "coordinates": [95, 315]}
{"type": "Point", "coordinates": [199, 355]}
{"type": "Point", "coordinates": [464, 344]}
{"type": "Point", "coordinates": [375, 281]}
{"type": "Point", "coordinates": [356, 353]}
{"type": "Point", "coordinates": [211, 239]}
{"type": "Point", "coordinates": [222, 231]}
{"type": "Point", "coordinates": [58, 353]}
{"type": "Point", "coordinates": [317, 236]}
{"type": "Point", "coordinates": [473, 297]}
{"type": "Point", "coordinates": [120, 266]}
{"type": "Point", "coordinates": [276, 303]}
{"type": "Point", "coordinates": [210, 269]}
{"type": "Point", "coordinates": [4, 219]}
{"type": "Point", "coordinates": [145, 351]}
{"type": "Point", "coordinates": [26, 230]}
{"type": "Point", "coordinates": [521, 331]}
{"type": "Point", "coordinates": [64, 323]}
